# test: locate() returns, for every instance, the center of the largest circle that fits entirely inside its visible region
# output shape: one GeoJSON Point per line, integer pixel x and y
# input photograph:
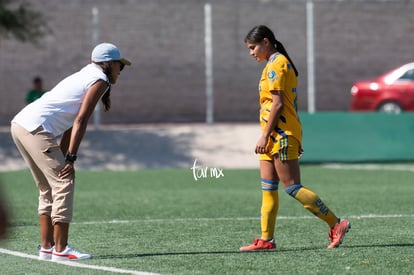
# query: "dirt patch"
{"type": "Point", "coordinates": [155, 146]}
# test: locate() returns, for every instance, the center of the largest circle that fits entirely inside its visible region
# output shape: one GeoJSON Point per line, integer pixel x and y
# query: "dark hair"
{"type": "Point", "coordinates": [258, 33]}
{"type": "Point", "coordinates": [106, 98]}
{"type": "Point", "coordinates": [37, 79]}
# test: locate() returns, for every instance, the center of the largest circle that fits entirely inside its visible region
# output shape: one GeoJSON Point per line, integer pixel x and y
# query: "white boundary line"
{"type": "Point", "coordinates": [370, 167]}
{"type": "Point", "coordinates": [77, 264]}
{"type": "Point", "coordinates": [358, 217]}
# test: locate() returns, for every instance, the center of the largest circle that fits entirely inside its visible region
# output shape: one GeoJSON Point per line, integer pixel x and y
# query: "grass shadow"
{"type": "Point", "coordinates": [157, 254]}
{"type": "Point", "coordinates": [134, 148]}
{"type": "Point", "coordinates": [122, 149]}
{"type": "Point", "coordinates": [282, 250]}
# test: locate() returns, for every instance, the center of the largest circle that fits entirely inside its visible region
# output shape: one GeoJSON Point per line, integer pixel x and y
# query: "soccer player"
{"type": "Point", "coordinates": [279, 145]}
{"type": "Point", "coordinates": [64, 111]}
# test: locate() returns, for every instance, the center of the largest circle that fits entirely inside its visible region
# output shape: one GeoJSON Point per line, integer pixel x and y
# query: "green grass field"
{"type": "Point", "coordinates": [164, 221]}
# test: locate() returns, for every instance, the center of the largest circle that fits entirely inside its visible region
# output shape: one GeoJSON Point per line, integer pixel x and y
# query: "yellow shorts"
{"type": "Point", "coordinates": [284, 148]}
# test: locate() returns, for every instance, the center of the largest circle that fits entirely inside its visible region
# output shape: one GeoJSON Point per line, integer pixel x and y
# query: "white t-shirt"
{"type": "Point", "coordinates": [57, 109]}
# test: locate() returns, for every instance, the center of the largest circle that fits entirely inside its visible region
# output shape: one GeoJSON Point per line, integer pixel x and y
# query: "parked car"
{"type": "Point", "coordinates": [392, 92]}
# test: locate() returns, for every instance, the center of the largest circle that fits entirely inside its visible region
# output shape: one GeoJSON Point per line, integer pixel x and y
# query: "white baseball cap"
{"type": "Point", "coordinates": [108, 52]}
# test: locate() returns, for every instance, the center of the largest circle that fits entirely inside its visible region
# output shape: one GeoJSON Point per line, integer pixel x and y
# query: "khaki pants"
{"type": "Point", "coordinates": [45, 159]}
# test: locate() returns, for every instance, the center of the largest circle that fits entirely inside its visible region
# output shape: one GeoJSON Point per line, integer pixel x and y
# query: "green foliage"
{"type": "Point", "coordinates": [163, 221]}
{"type": "Point", "coordinates": [20, 21]}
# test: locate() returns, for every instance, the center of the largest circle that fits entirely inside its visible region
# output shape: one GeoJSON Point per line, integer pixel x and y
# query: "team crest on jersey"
{"type": "Point", "coordinates": [272, 75]}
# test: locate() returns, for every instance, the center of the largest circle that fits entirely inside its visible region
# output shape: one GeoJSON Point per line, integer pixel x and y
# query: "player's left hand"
{"type": "Point", "coordinates": [68, 171]}
{"type": "Point", "coordinates": [261, 145]}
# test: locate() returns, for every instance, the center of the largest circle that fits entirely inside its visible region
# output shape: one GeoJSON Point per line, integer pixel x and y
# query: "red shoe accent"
{"type": "Point", "coordinates": [259, 245]}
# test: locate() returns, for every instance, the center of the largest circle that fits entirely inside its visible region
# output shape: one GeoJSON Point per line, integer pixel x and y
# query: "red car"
{"type": "Point", "coordinates": [392, 92]}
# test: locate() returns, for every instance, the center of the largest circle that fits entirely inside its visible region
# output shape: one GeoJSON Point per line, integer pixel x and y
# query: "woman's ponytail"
{"type": "Point", "coordinates": [282, 50]}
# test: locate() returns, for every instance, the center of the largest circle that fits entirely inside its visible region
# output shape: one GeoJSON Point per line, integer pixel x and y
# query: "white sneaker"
{"type": "Point", "coordinates": [45, 254]}
{"type": "Point", "coordinates": [69, 254]}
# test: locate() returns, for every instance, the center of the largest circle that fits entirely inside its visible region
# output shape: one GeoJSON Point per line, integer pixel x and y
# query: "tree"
{"type": "Point", "coordinates": [21, 21]}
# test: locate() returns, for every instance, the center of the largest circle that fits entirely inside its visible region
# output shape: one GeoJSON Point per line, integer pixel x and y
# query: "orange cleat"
{"type": "Point", "coordinates": [337, 233]}
{"type": "Point", "coordinates": [259, 245]}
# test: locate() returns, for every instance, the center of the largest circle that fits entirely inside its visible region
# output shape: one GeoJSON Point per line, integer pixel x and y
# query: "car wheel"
{"type": "Point", "coordinates": [390, 107]}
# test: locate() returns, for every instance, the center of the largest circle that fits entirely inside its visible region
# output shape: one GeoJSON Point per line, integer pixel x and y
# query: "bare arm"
{"type": "Point", "coordinates": [275, 110]}
{"type": "Point", "coordinates": [64, 141]}
{"type": "Point", "coordinates": [81, 121]}
{"type": "Point", "coordinates": [80, 124]}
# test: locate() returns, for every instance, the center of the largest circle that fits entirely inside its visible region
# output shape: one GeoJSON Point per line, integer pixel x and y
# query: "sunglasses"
{"type": "Point", "coordinates": [122, 66]}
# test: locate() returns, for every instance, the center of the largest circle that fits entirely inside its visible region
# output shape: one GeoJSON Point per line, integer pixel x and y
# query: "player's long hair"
{"type": "Point", "coordinates": [258, 33]}
{"type": "Point", "coordinates": [106, 98]}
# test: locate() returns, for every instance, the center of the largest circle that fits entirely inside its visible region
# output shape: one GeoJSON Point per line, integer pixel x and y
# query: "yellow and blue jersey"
{"type": "Point", "coordinates": [279, 75]}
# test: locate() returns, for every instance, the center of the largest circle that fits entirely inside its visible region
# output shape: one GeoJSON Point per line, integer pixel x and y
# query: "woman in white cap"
{"type": "Point", "coordinates": [63, 111]}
